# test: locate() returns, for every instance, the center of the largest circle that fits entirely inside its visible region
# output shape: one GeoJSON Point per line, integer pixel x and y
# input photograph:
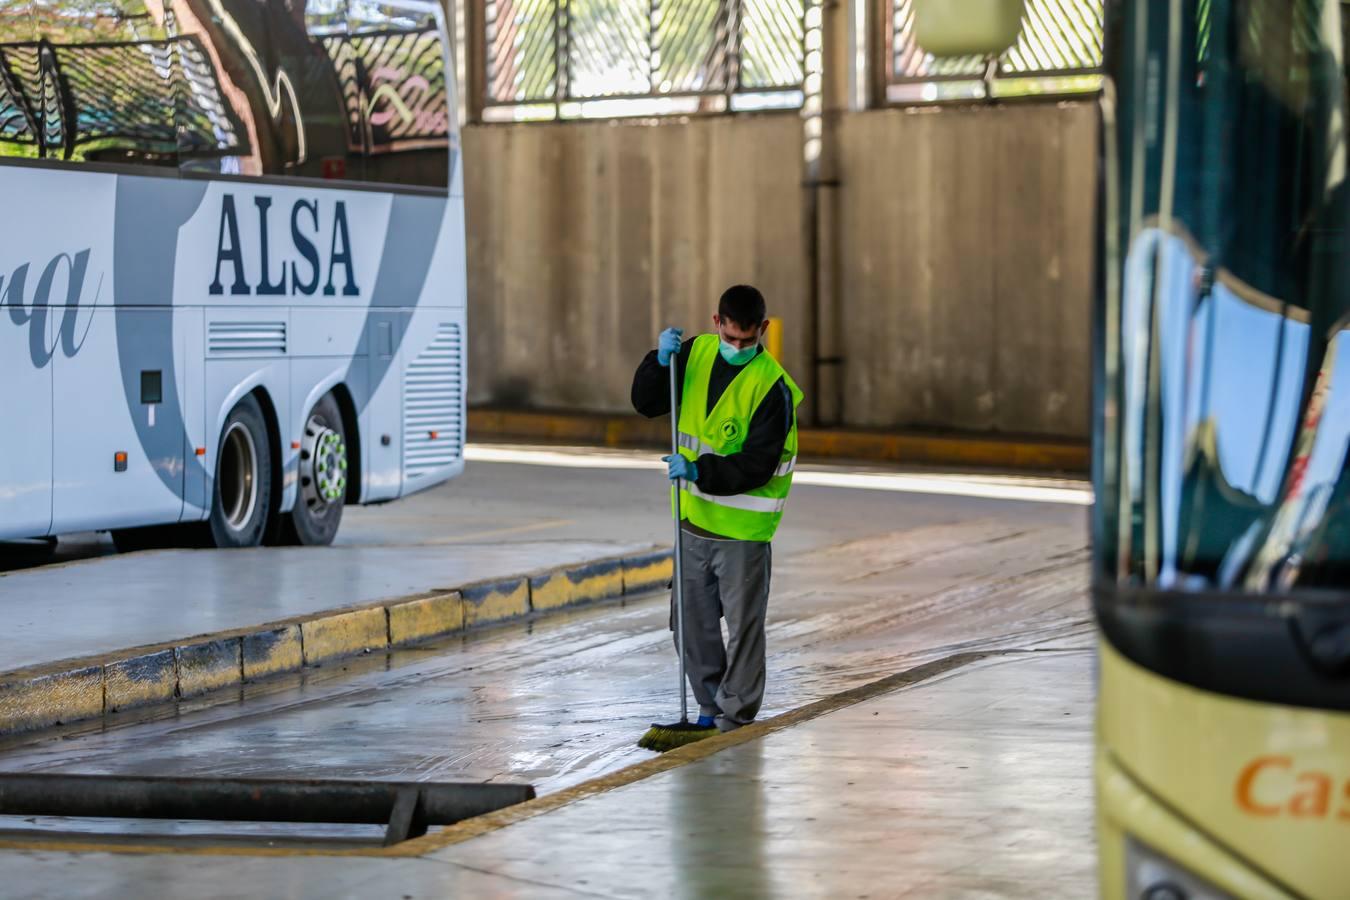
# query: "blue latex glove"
{"type": "Point", "coordinates": [668, 345]}
{"type": "Point", "coordinates": [678, 467]}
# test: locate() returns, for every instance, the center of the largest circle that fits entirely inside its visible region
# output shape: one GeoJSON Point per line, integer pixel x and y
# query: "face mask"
{"type": "Point", "coordinates": [737, 356]}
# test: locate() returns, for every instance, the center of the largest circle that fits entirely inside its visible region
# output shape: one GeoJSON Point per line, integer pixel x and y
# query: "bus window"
{"type": "Point", "coordinates": [406, 107]}
{"type": "Point", "coordinates": [238, 87]}
{"type": "Point", "coordinates": [299, 39]}
{"type": "Point", "coordinates": [18, 129]}
{"type": "Point", "coordinates": [105, 71]}
{"type": "Point", "coordinates": [277, 88]}
{"type": "Point", "coordinates": [1228, 298]}
{"type": "Point", "coordinates": [211, 134]}
{"type": "Point", "coordinates": [232, 36]}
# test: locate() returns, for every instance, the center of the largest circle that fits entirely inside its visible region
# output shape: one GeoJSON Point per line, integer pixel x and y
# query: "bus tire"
{"type": "Point", "coordinates": [322, 483]}
{"type": "Point", "coordinates": [242, 490]}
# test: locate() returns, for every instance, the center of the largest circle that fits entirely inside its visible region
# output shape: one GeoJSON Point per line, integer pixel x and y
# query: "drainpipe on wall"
{"type": "Point", "coordinates": [830, 80]}
{"type": "Point", "coordinates": [465, 19]}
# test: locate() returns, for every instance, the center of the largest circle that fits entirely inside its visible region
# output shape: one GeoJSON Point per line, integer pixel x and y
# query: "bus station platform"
{"type": "Point", "coordinates": [966, 777]}
{"type": "Point", "coordinates": [106, 634]}
{"type": "Point", "coordinates": [926, 732]}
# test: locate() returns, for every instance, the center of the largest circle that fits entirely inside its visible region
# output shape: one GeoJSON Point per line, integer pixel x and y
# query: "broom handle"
{"type": "Point", "coordinates": [679, 555]}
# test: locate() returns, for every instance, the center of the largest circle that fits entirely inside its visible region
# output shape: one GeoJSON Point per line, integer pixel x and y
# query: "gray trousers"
{"type": "Point", "coordinates": [725, 579]}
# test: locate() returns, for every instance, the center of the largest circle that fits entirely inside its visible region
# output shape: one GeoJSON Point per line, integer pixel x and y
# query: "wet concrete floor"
{"type": "Point", "coordinates": [976, 783]}
{"type": "Point", "coordinates": [867, 583]}
{"type": "Point", "coordinates": [563, 699]}
{"type": "Point", "coordinates": [972, 784]}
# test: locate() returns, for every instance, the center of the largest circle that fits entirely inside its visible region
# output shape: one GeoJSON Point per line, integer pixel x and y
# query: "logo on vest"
{"type": "Point", "coordinates": [731, 430]}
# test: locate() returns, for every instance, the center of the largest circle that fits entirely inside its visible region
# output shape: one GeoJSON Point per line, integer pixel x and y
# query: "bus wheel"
{"type": "Point", "coordinates": [243, 486]}
{"type": "Point", "coordinates": [323, 478]}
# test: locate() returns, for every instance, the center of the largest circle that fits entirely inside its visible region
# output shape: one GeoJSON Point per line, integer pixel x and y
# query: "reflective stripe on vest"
{"type": "Point", "coordinates": [691, 443]}
{"type": "Point", "coordinates": [721, 431]}
{"type": "Point", "coordinates": [748, 502]}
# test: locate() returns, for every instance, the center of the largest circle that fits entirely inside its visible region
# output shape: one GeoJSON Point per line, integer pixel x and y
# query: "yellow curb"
{"type": "Point", "coordinates": [345, 634]}
{"type": "Point", "coordinates": [426, 617]}
{"type": "Point", "coordinates": [599, 582]}
{"type": "Point", "coordinates": [152, 678]}
{"type": "Point", "coordinates": [52, 699]}
{"type": "Point", "coordinates": [647, 573]}
{"type": "Point", "coordinates": [552, 591]}
{"type": "Point", "coordinates": [496, 601]}
{"type": "Point", "coordinates": [208, 666]}
{"type": "Point", "coordinates": [272, 652]}
{"type": "Point", "coordinates": [583, 584]}
{"type": "Point", "coordinates": [88, 687]}
{"type": "Point", "coordinates": [973, 450]}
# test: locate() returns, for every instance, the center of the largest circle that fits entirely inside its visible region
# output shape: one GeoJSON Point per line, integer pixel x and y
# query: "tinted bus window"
{"type": "Point", "coordinates": [211, 134]}
{"type": "Point", "coordinates": [321, 89]}
{"type": "Point", "coordinates": [96, 79]}
{"type": "Point", "coordinates": [299, 39]}
{"type": "Point", "coordinates": [404, 95]}
{"type": "Point", "coordinates": [18, 130]}
{"type": "Point", "coordinates": [1228, 460]}
{"type": "Point", "coordinates": [101, 82]}
{"type": "Point", "coordinates": [327, 95]}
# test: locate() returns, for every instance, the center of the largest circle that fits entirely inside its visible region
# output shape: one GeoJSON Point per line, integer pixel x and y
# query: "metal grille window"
{"type": "Point", "coordinates": [570, 59]}
{"type": "Point", "coordinates": [1058, 52]}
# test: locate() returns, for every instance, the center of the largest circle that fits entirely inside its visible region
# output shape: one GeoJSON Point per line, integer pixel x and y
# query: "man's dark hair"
{"type": "Point", "coordinates": [743, 305]}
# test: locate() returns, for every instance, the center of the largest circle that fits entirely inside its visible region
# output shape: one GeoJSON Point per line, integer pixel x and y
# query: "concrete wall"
{"type": "Point", "coordinates": [585, 239]}
{"type": "Point", "coordinates": [965, 245]}
{"type": "Point", "coordinates": [967, 239]}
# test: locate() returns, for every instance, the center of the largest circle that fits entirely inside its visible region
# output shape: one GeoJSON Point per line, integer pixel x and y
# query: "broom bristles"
{"type": "Point", "coordinates": [662, 738]}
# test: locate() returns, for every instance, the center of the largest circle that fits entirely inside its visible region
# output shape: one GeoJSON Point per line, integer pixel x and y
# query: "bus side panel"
{"type": "Point", "coordinates": [382, 416]}
{"type": "Point", "coordinates": [55, 265]}
{"type": "Point", "coordinates": [26, 435]}
{"type": "Point", "coordinates": [188, 325]}
{"type": "Point", "coordinates": [434, 415]}
{"type": "Point", "coordinates": [119, 459]}
{"type": "Point", "coordinates": [435, 364]}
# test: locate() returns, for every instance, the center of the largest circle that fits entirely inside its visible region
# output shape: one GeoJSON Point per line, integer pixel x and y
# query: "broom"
{"type": "Point", "coordinates": [668, 737]}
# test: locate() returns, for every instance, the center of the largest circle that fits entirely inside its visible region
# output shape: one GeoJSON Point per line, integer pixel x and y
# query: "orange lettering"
{"type": "Point", "coordinates": [1313, 802]}
{"type": "Point", "coordinates": [1345, 810]}
{"type": "Point", "coordinates": [1247, 779]}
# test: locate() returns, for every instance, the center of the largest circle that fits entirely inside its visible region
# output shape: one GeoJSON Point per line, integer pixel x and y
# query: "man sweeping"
{"type": "Point", "coordinates": [737, 434]}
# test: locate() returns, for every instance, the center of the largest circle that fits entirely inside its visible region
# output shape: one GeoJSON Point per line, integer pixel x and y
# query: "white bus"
{"type": "Point", "coordinates": [232, 266]}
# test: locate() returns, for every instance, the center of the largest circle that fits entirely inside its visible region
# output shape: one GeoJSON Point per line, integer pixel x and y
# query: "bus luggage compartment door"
{"type": "Point", "coordinates": [382, 416]}
{"type": "Point", "coordinates": [119, 458]}
{"type": "Point", "coordinates": [26, 438]}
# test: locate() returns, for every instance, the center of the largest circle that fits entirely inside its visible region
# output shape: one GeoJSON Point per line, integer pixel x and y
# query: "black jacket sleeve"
{"type": "Point", "coordinates": [759, 457]}
{"type": "Point", "coordinates": [762, 451]}
{"type": "Point", "coordinates": [651, 383]}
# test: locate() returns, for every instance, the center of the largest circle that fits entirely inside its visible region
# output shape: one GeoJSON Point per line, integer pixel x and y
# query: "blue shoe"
{"type": "Point", "coordinates": [706, 722]}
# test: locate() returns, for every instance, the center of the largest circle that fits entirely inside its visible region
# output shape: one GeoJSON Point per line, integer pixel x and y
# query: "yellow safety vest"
{"type": "Point", "coordinates": [721, 431]}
